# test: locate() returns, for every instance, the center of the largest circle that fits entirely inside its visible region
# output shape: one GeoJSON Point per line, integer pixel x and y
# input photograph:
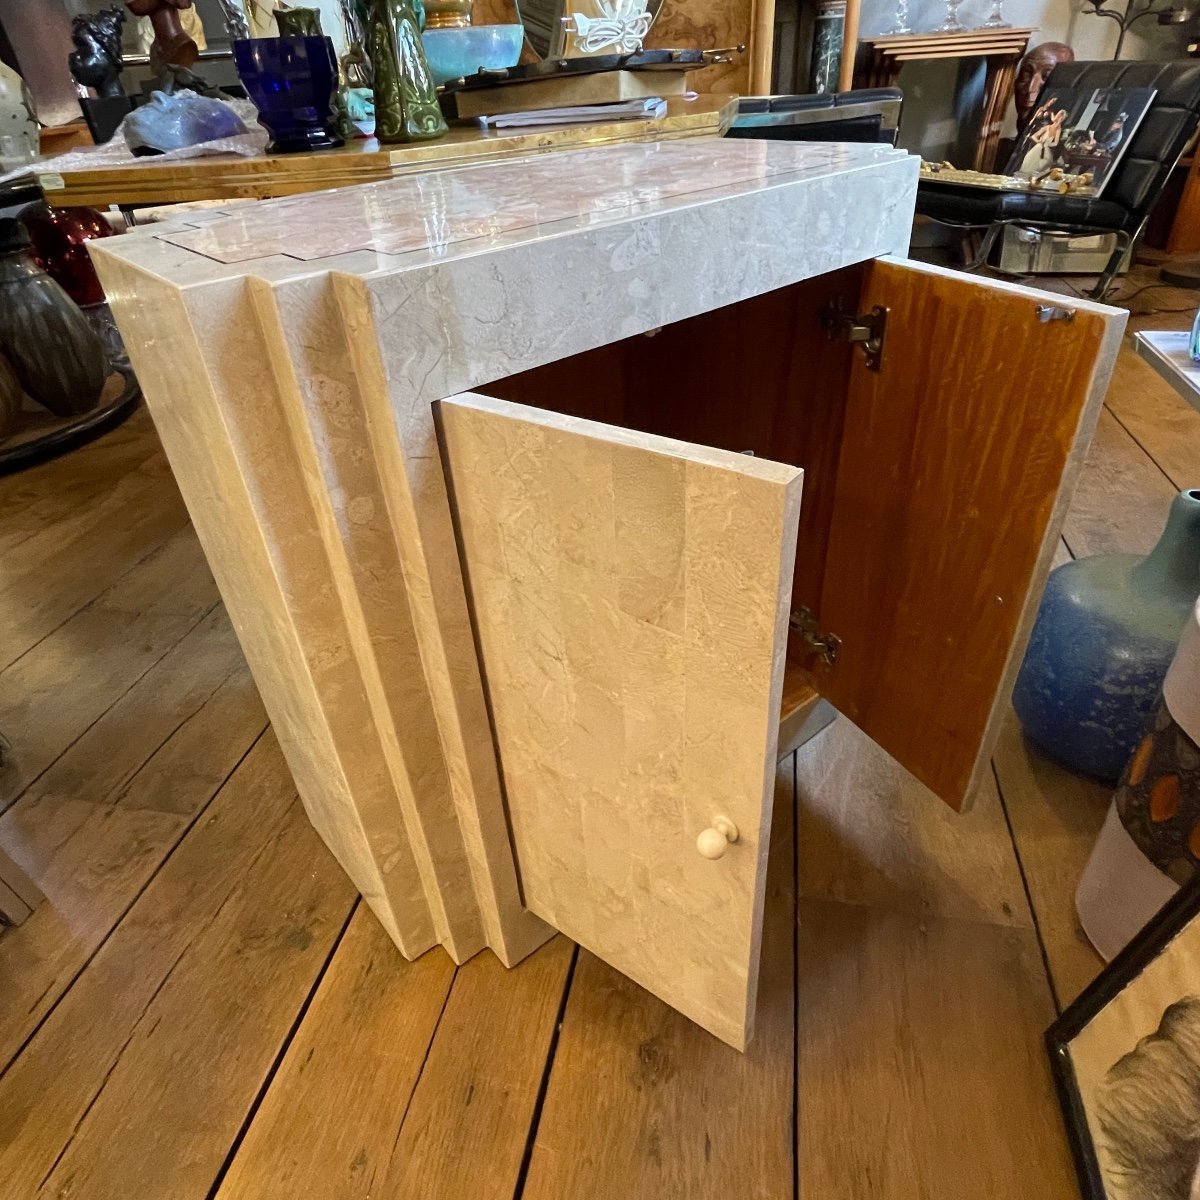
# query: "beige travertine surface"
{"type": "Point", "coordinates": [294, 401]}
{"type": "Point", "coordinates": [631, 599]}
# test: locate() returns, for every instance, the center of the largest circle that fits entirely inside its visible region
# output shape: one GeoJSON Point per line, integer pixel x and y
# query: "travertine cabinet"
{"type": "Point", "coordinates": [499, 471]}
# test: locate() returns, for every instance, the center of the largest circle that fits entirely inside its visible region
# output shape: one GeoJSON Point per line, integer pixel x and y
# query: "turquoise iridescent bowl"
{"type": "Point", "coordinates": [453, 53]}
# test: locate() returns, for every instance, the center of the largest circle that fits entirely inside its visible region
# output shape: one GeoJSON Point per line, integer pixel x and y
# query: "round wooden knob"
{"type": "Point", "coordinates": [714, 841]}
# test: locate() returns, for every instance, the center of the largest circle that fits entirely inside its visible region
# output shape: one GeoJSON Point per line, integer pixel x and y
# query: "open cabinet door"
{"type": "Point", "coordinates": [957, 462]}
{"type": "Point", "coordinates": [630, 598]}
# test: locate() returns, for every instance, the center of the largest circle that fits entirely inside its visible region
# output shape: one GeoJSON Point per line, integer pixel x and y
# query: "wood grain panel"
{"type": "Point", "coordinates": [956, 470]}
{"type": "Point", "coordinates": [630, 599]}
{"type": "Point", "coordinates": [643, 1105]}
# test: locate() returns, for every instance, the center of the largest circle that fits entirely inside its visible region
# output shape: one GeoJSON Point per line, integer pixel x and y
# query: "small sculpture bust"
{"type": "Point", "coordinates": [96, 61]}
{"type": "Point", "coordinates": [1032, 73]}
{"type": "Point", "coordinates": [171, 42]}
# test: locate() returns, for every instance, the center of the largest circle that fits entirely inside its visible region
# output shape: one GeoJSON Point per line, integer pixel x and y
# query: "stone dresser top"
{"type": "Point", "coordinates": [476, 273]}
{"type": "Point", "coordinates": [848, 193]}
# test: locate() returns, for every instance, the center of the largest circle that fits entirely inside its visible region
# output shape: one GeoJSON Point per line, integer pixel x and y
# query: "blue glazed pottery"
{"type": "Point", "coordinates": [1103, 639]}
{"type": "Point", "coordinates": [291, 81]}
{"type": "Point", "coordinates": [453, 53]}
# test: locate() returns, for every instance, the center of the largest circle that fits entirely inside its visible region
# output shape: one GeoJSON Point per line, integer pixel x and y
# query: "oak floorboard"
{"type": "Point", "coordinates": [1162, 423]}
{"type": "Point", "coordinates": [97, 825]}
{"type": "Point", "coordinates": [53, 575]}
{"type": "Point", "coordinates": [1056, 817]}
{"type": "Point", "coordinates": [54, 1083]}
{"type": "Point", "coordinates": [466, 1129]}
{"type": "Point", "coordinates": [56, 691]}
{"type": "Point", "coordinates": [35, 501]}
{"type": "Point", "coordinates": [869, 833]}
{"type": "Point", "coordinates": [193, 1062]}
{"type": "Point", "coordinates": [1121, 502]}
{"type": "Point", "coordinates": [358, 1053]}
{"type": "Point", "coordinates": [643, 1104]}
{"type": "Point", "coordinates": [922, 1074]}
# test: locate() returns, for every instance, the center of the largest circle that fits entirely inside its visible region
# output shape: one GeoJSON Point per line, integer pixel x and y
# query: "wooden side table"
{"type": "Point", "coordinates": [228, 176]}
{"type": "Point", "coordinates": [881, 59]}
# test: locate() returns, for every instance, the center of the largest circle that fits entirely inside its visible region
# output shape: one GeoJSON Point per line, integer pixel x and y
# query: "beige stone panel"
{"type": "Point", "coordinates": [215, 410]}
{"type": "Point", "coordinates": [403, 439]}
{"type": "Point", "coordinates": [322, 405]}
{"type": "Point", "coordinates": [630, 598]}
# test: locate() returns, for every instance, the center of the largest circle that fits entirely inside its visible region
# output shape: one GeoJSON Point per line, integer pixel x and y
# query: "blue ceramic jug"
{"type": "Point", "coordinates": [1103, 639]}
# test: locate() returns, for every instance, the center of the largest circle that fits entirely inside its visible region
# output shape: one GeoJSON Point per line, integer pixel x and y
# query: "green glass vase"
{"type": "Point", "coordinates": [406, 106]}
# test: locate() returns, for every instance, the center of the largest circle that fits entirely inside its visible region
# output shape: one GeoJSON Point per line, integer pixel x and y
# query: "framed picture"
{"type": "Point", "coordinates": [1084, 131]}
{"type": "Point", "coordinates": [1126, 1062]}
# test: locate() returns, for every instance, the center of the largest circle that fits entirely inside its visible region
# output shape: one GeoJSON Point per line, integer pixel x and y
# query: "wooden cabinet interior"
{"type": "Point", "coordinates": [759, 376]}
{"type": "Point", "coordinates": [931, 486]}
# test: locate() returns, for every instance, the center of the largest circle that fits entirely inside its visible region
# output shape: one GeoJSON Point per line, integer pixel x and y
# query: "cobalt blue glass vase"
{"type": "Point", "coordinates": [291, 81]}
{"type": "Point", "coordinates": [1101, 645]}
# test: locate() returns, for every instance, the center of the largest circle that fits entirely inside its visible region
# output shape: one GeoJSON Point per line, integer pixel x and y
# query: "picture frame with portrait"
{"type": "Point", "coordinates": [1081, 131]}
{"type": "Point", "coordinates": [1125, 1057]}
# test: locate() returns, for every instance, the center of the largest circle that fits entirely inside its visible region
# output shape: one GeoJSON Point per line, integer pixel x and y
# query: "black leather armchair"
{"type": "Point", "coordinates": [1138, 180]}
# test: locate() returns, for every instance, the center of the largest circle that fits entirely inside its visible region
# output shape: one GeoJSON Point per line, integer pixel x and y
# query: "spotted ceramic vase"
{"type": "Point", "coordinates": [1158, 800]}
{"type": "Point", "coordinates": [1104, 637]}
{"type": "Point", "coordinates": [406, 104]}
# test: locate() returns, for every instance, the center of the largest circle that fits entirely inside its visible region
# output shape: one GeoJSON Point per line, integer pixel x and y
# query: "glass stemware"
{"type": "Point", "coordinates": [951, 24]}
{"type": "Point", "coordinates": [899, 23]}
{"type": "Point", "coordinates": [996, 17]}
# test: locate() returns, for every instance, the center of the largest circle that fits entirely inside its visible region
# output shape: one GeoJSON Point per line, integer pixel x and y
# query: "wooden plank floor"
{"type": "Point", "coordinates": [203, 1008]}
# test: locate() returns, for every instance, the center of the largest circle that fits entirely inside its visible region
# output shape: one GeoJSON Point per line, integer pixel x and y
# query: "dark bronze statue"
{"type": "Point", "coordinates": [1032, 73]}
{"type": "Point", "coordinates": [171, 45]}
{"type": "Point", "coordinates": [96, 60]}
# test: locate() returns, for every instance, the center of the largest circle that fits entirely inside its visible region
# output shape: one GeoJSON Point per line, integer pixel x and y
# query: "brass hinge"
{"type": "Point", "coordinates": [826, 645]}
{"type": "Point", "coordinates": [867, 330]}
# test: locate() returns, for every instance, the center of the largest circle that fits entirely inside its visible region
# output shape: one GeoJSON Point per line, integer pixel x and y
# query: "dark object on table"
{"type": "Point", "coordinates": [1126, 1063]}
{"type": "Point", "coordinates": [1136, 182]}
{"type": "Point", "coordinates": [96, 61]}
{"type": "Point", "coordinates": [171, 43]}
{"type": "Point", "coordinates": [51, 439]}
{"type": "Point", "coordinates": [1101, 645]}
{"type": "Point", "coordinates": [1032, 74]}
{"type": "Point", "coordinates": [646, 60]}
{"type": "Point", "coordinates": [12, 398]}
{"type": "Point", "coordinates": [60, 237]}
{"type": "Point", "coordinates": [291, 81]}
{"type": "Point", "coordinates": [865, 115]}
{"type": "Point", "coordinates": [53, 349]}
{"type": "Point", "coordinates": [406, 103]}
{"type": "Point", "coordinates": [103, 116]}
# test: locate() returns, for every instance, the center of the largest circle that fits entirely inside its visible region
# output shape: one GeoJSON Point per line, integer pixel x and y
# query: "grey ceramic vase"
{"type": "Point", "coordinates": [1101, 645]}
{"type": "Point", "coordinates": [55, 354]}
